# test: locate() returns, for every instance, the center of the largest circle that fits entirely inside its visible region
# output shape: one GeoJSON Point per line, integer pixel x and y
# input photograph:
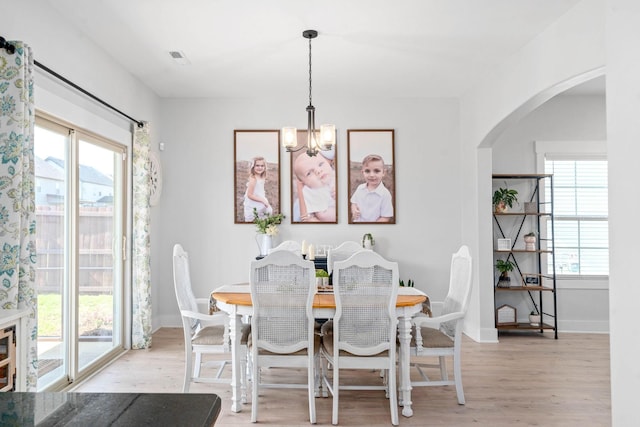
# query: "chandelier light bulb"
{"type": "Point", "coordinates": [289, 137]}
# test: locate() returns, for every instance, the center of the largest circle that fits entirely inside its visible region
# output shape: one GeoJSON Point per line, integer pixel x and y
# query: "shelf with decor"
{"type": "Point", "coordinates": [524, 252]}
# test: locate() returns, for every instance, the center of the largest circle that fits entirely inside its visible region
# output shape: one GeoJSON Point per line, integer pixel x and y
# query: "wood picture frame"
{"type": "Point", "coordinates": [504, 244]}
{"type": "Point", "coordinates": [530, 279]}
{"type": "Point", "coordinates": [313, 185]}
{"type": "Point", "coordinates": [371, 150]}
{"type": "Point", "coordinates": [506, 315]}
{"type": "Point", "coordinates": [252, 147]}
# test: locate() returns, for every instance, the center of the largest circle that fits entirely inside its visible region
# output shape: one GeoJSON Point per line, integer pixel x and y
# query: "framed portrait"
{"type": "Point", "coordinates": [371, 182]}
{"type": "Point", "coordinates": [313, 186]}
{"type": "Point", "coordinates": [256, 173]}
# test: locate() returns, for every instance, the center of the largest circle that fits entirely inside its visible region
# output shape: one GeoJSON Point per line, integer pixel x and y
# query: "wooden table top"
{"type": "Point", "coordinates": [321, 300]}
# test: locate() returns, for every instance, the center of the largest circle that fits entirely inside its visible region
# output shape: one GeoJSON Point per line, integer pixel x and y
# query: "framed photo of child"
{"type": "Point", "coordinates": [313, 185]}
{"type": "Point", "coordinates": [256, 174]}
{"type": "Point", "coordinates": [372, 188]}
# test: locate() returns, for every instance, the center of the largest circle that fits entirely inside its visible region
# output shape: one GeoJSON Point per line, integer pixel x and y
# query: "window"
{"type": "Point", "coordinates": [80, 275]}
{"type": "Point", "coordinates": [580, 206]}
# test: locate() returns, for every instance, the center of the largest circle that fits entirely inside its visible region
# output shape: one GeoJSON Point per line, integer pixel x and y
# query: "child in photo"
{"type": "Point", "coordinates": [316, 188]}
{"type": "Point", "coordinates": [255, 196]}
{"type": "Point", "coordinates": [371, 202]}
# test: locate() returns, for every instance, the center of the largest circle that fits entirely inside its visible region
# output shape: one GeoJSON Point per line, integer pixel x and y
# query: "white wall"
{"type": "Point", "coordinates": [197, 200]}
{"type": "Point", "coordinates": [582, 304]}
{"type": "Point", "coordinates": [568, 52]}
{"type": "Point", "coordinates": [57, 45]}
{"type": "Point", "coordinates": [623, 129]}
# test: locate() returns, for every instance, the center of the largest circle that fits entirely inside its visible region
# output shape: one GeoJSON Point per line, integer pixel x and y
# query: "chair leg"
{"type": "Point", "coordinates": [457, 374]}
{"type": "Point", "coordinates": [336, 393]}
{"type": "Point", "coordinates": [254, 391]}
{"type": "Point", "coordinates": [311, 388]}
{"type": "Point", "coordinates": [243, 378]}
{"type": "Point", "coordinates": [187, 371]}
{"type": "Point", "coordinates": [443, 368]}
{"type": "Point", "coordinates": [323, 377]}
{"type": "Point", "coordinates": [196, 368]}
{"type": "Point", "coordinates": [393, 396]}
{"type": "Point", "coordinates": [317, 379]}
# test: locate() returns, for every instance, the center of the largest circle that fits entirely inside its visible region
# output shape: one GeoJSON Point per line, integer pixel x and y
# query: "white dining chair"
{"type": "Point", "coordinates": [282, 324]}
{"type": "Point", "coordinates": [362, 334]}
{"type": "Point", "coordinates": [203, 333]}
{"type": "Point", "coordinates": [288, 245]}
{"type": "Point", "coordinates": [342, 252]}
{"type": "Point", "coordinates": [441, 336]}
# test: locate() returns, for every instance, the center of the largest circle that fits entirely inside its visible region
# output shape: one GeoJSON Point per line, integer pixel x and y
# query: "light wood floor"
{"type": "Point", "coordinates": [522, 380]}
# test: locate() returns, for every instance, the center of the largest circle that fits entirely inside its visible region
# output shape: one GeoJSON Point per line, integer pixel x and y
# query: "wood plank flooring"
{"type": "Point", "coordinates": [523, 380]}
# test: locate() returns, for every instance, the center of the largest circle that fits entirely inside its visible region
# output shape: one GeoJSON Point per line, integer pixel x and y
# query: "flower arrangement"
{"type": "Point", "coordinates": [267, 224]}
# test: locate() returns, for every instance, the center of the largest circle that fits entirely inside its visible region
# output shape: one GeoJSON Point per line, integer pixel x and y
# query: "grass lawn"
{"type": "Point", "coordinates": [96, 312]}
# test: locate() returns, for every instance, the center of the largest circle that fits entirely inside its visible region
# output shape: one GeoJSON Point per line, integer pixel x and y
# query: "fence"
{"type": "Point", "coordinates": [95, 249]}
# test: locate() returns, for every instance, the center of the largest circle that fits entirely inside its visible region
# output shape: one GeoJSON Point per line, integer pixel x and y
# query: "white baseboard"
{"type": "Point", "coordinates": [584, 326]}
{"type": "Point", "coordinates": [167, 321]}
{"type": "Point", "coordinates": [484, 335]}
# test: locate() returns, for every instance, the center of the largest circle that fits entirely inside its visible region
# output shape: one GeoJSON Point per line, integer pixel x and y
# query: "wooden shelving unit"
{"type": "Point", "coordinates": [537, 265]}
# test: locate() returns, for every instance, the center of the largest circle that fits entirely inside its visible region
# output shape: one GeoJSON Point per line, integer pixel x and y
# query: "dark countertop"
{"type": "Point", "coordinates": [108, 409]}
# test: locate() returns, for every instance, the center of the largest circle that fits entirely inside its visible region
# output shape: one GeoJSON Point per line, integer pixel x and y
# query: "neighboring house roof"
{"type": "Point", "coordinates": [105, 199]}
{"type": "Point", "coordinates": [87, 173]}
{"type": "Point", "coordinates": [45, 169]}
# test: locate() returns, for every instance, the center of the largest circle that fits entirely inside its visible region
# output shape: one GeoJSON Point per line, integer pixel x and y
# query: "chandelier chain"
{"type": "Point", "coordinates": [310, 103]}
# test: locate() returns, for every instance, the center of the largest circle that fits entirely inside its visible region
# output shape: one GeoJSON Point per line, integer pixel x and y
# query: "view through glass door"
{"type": "Point", "coordinates": [80, 205]}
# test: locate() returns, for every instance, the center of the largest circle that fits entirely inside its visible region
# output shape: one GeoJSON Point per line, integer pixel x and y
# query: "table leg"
{"type": "Point", "coordinates": [235, 332]}
{"type": "Point", "coordinates": [404, 335]}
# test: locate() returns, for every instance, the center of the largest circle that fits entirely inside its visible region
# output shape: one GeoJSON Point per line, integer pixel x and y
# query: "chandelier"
{"type": "Point", "coordinates": [323, 140]}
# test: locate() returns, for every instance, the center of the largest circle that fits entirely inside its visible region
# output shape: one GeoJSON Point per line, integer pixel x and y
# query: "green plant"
{"type": "Point", "coordinates": [504, 266]}
{"type": "Point", "coordinates": [368, 236]}
{"type": "Point", "coordinates": [409, 284]}
{"type": "Point", "coordinates": [321, 273]}
{"type": "Point", "coordinates": [506, 196]}
{"type": "Point", "coordinates": [267, 224]}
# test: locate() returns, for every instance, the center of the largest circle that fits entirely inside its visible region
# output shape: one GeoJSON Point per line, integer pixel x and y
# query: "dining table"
{"type": "Point", "coordinates": [235, 300]}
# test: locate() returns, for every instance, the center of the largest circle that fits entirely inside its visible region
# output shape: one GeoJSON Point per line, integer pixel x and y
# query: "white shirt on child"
{"type": "Point", "coordinates": [372, 204]}
{"type": "Point", "coordinates": [317, 199]}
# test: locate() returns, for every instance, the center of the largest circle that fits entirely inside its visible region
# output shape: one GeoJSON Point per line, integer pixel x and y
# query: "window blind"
{"type": "Point", "coordinates": [580, 206]}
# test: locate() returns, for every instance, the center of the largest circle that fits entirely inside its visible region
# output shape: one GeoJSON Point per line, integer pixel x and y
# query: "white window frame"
{"type": "Point", "coordinates": [576, 150]}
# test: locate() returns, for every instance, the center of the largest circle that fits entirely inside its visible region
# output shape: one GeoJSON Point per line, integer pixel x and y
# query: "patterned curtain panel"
{"type": "Point", "coordinates": [141, 278]}
{"type": "Point", "coordinates": [17, 194]}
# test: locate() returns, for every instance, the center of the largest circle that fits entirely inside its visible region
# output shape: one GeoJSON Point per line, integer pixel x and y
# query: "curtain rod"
{"type": "Point", "coordinates": [11, 49]}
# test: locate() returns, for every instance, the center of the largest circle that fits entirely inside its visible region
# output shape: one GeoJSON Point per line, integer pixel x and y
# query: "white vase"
{"type": "Point", "coordinates": [529, 243]}
{"type": "Point", "coordinates": [534, 319]}
{"type": "Point", "coordinates": [265, 243]}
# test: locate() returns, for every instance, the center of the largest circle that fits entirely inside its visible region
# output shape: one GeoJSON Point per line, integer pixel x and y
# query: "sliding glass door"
{"type": "Point", "coordinates": [80, 206]}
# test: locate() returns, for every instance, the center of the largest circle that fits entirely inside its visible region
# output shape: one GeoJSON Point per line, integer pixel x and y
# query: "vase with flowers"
{"type": "Point", "coordinates": [267, 227]}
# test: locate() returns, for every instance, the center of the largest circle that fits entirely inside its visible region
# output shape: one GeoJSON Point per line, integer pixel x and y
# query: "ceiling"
{"type": "Point", "coordinates": [255, 48]}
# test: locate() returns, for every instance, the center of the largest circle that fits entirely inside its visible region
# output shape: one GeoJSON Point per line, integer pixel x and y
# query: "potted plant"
{"type": "Point", "coordinates": [266, 227]}
{"type": "Point", "coordinates": [368, 241]}
{"type": "Point", "coordinates": [504, 198]}
{"type": "Point", "coordinates": [534, 318]}
{"type": "Point", "coordinates": [504, 267]}
{"type": "Point", "coordinates": [530, 241]}
{"type": "Point", "coordinates": [322, 278]}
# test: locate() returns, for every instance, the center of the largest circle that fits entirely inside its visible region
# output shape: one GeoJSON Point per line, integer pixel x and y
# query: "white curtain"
{"type": "Point", "coordinates": [141, 244]}
{"type": "Point", "coordinates": [17, 195]}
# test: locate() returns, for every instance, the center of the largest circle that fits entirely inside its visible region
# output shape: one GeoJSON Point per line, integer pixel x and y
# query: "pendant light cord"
{"type": "Point", "coordinates": [310, 103]}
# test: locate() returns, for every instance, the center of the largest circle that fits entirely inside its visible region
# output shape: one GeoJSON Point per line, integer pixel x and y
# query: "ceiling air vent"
{"type": "Point", "coordinates": [179, 57]}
